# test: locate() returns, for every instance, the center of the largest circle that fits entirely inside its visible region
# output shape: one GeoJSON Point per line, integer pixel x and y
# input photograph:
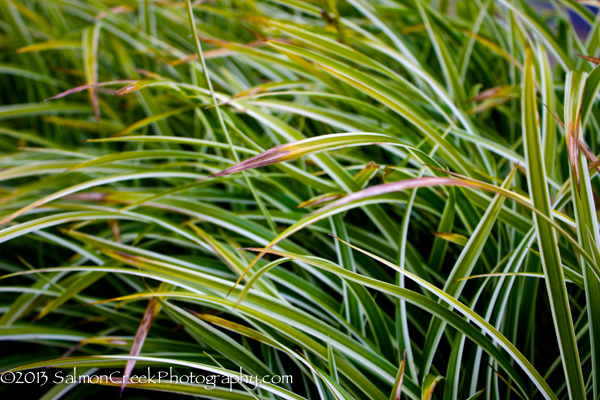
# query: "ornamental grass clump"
{"type": "Point", "coordinates": [301, 199]}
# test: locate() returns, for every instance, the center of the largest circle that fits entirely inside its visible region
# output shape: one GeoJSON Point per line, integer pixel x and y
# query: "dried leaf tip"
{"type": "Point", "coordinates": [590, 59]}
{"type": "Point", "coordinates": [400, 377]}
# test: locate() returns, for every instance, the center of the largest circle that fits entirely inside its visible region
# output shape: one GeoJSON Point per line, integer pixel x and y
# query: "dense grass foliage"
{"type": "Point", "coordinates": [381, 199]}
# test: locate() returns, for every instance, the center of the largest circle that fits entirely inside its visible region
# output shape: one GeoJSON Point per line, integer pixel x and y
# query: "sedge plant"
{"type": "Point", "coordinates": [366, 199]}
